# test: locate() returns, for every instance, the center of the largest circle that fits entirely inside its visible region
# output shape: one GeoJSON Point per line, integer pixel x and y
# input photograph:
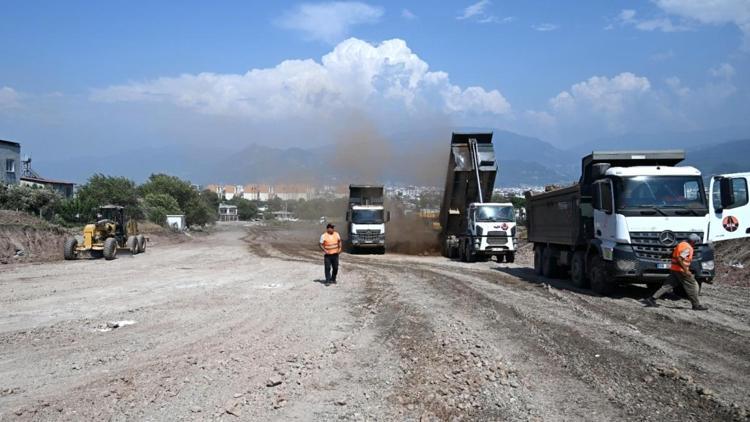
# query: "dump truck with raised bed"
{"type": "Point", "coordinates": [366, 218]}
{"type": "Point", "coordinates": [473, 227]}
{"type": "Point", "coordinates": [629, 209]}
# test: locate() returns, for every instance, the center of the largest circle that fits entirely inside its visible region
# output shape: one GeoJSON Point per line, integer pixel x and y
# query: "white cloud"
{"type": "Point", "coordinates": [477, 9]}
{"type": "Point", "coordinates": [408, 14]}
{"type": "Point", "coordinates": [479, 13]}
{"type": "Point", "coordinates": [545, 27]}
{"type": "Point", "coordinates": [330, 21]}
{"type": "Point", "coordinates": [9, 98]}
{"type": "Point", "coordinates": [355, 75]}
{"type": "Point", "coordinates": [712, 12]}
{"type": "Point", "coordinates": [627, 17]}
{"type": "Point", "coordinates": [602, 94]}
{"type": "Point", "coordinates": [724, 71]}
{"type": "Point", "coordinates": [675, 85]}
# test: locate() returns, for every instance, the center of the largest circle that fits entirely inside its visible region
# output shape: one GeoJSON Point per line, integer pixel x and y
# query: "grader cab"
{"type": "Point", "coordinates": [111, 232]}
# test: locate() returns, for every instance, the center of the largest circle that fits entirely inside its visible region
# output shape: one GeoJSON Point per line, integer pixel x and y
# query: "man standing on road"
{"type": "Point", "coordinates": [680, 274]}
{"type": "Point", "coordinates": [330, 244]}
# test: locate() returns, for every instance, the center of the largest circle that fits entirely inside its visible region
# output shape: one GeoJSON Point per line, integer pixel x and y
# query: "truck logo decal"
{"type": "Point", "coordinates": [730, 223]}
{"type": "Point", "coordinates": [667, 238]}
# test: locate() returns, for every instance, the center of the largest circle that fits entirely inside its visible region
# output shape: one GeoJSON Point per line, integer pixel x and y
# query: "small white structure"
{"type": "Point", "coordinates": [176, 222]}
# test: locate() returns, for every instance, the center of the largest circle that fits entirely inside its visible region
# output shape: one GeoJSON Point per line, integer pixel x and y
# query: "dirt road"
{"type": "Point", "coordinates": [237, 326]}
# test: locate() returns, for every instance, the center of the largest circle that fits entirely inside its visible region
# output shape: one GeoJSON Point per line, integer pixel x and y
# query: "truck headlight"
{"type": "Point", "coordinates": [707, 265]}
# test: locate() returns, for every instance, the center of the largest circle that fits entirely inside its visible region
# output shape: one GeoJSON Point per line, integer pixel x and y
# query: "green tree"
{"type": "Point", "coordinates": [179, 189]}
{"type": "Point", "coordinates": [103, 190]}
{"type": "Point", "coordinates": [159, 205]}
{"type": "Point", "coordinates": [197, 212]}
{"type": "Point", "coordinates": [210, 198]}
{"type": "Point", "coordinates": [42, 202]}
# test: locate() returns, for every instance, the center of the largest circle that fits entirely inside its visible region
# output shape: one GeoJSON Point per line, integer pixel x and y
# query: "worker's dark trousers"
{"type": "Point", "coordinates": [688, 283]}
{"type": "Point", "coordinates": [331, 261]}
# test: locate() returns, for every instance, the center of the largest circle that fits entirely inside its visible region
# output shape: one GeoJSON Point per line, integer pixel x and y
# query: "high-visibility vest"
{"type": "Point", "coordinates": [330, 242]}
{"type": "Point", "coordinates": [684, 250]}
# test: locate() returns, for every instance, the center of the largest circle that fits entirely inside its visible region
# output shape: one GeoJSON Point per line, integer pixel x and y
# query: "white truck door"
{"type": "Point", "coordinates": [729, 209]}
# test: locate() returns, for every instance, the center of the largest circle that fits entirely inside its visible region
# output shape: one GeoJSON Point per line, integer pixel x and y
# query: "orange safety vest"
{"type": "Point", "coordinates": [330, 242]}
{"type": "Point", "coordinates": [686, 251]}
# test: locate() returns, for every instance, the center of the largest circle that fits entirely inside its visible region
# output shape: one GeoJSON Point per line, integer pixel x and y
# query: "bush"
{"type": "Point", "coordinates": [158, 206]}
{"type": "Point", "coordinates": [41, 202]}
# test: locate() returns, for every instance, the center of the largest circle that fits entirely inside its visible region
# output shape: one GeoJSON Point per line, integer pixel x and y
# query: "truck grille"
{"type": "Point", "coordinates": [368, 235]}
{"type": "Point", "coordinates": [497, 238]}
{"type": "Point", "coordinates": [647, 245]}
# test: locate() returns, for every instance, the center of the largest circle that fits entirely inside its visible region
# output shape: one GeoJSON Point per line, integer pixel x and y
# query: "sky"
{"type": "Point", "coordinates": [83, 78]}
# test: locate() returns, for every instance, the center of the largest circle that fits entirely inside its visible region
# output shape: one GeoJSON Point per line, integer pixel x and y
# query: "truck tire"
{"type": "Point", "coordinates": [110, 249]}
{"type": "Point", "coordinates": [538, 253]}
{"type": "Point", "coordinates": [549, 263]}
{"type": "Point", "coordinates": [510, 257]}
{"type": "Point", "coordinates": [578, 270]}
{"type": "Point", "coordinates": [141, 243]}
{"type": "Point", "coordinates": [598, 276]}
{"type": "Point", "coordinates": [132, 245]}
{"type": "Point", "coordinates": [69, 250]}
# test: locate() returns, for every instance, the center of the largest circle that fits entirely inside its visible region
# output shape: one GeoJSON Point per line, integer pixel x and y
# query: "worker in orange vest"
{"type": "Point", "coordinates": [330, 244]}
{"type": "Point", "coordinates": [680, 274]}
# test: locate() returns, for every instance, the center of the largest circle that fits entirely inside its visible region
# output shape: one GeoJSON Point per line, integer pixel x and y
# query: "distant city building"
{"type": "Point", "coordinates": [228, 212]}
{"type": "Point", "coordinates": [65, 189]}
{"type": "Point", "coordinates": [10, 160]}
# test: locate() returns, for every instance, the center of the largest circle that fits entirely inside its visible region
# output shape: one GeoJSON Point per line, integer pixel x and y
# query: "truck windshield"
{"type": "Point", "coordinates": [495, 214]}
{"type": "Point", "coordinates": [367, 216]}
{"type": "Point", "coordinates": [660, 192]}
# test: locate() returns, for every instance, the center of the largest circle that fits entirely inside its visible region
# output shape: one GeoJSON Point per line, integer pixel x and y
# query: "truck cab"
{"type": "Point", "coordinates": [641, 213]}
{"type": "Point", "coordinates": [491, 231]}
{"type": "Point", "coordinates": [367, 226]}
{"type": "Point", "coordinates": [366, 218]}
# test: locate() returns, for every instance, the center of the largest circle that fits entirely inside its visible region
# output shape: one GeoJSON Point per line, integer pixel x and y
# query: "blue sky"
{"type": "Point", "coordinates": [153, 73]}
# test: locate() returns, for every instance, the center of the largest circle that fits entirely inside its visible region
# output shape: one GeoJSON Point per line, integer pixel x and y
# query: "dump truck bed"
{"type": "Point", "coordinates": [365, 195]}
{"type": "Point", "coordinates": [555, 217]}
{"type": "Point", "coordinates": [461, 186]}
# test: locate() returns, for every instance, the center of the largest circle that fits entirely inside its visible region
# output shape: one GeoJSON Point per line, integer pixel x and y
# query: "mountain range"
{"type": "Point", "coordinates": [523, 160]}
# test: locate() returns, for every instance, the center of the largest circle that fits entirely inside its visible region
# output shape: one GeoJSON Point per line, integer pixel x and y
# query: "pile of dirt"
{"type": "Point", "coordinates": [733, 262]}
{"type": "Point", "coordinates": [26, 238]}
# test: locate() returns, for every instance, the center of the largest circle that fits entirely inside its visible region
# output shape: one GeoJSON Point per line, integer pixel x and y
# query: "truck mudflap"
{"type": "Point", "coordinates": [626, 267]}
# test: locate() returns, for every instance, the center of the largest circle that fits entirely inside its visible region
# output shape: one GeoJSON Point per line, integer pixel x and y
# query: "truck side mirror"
{"type": "Point", "coordinates": [348, 217]}
{"type": "Point", "coordinates": [387, 216]}
{"type": "Point", "coordinates": [727, 192]}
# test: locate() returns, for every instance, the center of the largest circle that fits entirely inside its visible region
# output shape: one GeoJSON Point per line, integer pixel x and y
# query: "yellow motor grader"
{"type": "Point", "coordinates": [109, 234]}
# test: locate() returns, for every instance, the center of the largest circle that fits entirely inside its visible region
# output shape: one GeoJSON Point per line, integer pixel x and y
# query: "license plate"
{"type": "Point", "coordinates": [662, 265]}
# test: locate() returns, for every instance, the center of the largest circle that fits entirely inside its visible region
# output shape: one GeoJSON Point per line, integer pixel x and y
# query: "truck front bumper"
{"type": "Point", "coordinates": [626, 266]}
{"type": "Point", "coordinates": [368, 242]}
{"type": "Point", "coordinates": [486, 245]}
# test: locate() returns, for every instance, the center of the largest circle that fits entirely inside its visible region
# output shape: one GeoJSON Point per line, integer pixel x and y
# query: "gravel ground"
{"type": "Point", "coordinates": [236, 325]}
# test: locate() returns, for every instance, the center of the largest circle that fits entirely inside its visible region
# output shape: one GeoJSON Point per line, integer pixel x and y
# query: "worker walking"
{"type": "Point", "coordinates": [330, 244]}
{"type": "Point", "coordinates": [680, 274]}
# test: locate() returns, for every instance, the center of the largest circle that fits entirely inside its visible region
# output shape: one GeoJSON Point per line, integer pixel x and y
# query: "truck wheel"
{"type": "Point", "coordinates": [510, 257]}
{"type": "Point", "coordinates": [141, 243]}
{"type": "Point", "coordinates": [549, 263]}
{"type": "Point", "coordinates": [69, 250]}
{"type": "Point", "coordinates": [578, 270]}
{"type": "Point", "coordinates": [538, 253]}
{"type": "Point", "coordinates": [598, 275]}
{"type": "Point", "coordinates": [132, 245]}
{"type": "Point", "coordinates": [110, 248]}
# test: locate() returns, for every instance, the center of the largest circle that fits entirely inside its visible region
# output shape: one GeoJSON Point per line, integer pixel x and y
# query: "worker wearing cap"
{"type": "Point", "coordinates": [680, 274]}
{"type": "Point", "coordinates": [330, 244]}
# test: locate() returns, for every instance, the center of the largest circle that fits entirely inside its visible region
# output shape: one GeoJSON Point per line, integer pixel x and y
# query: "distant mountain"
{"type": "Point", "coordinates": [523, 160]}
{"type": "Point", "coordinates": [692, 140]}
{"type": "Point", "coordinates": [725, 157]}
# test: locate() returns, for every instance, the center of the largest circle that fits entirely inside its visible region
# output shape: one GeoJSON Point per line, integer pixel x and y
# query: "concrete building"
{"type": "Point", "coordinates": [176, 221]}
{"type": "Point", "coordinates": [10, 160]}
{"type": "Point", "coordinates": [65, 189]}
{"type": "Point", "coordinates": [293, 192]}
{"type": "Point", "coordinates": [228, 212]}
{"type": "Point", "coordinates": [229, 192]}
